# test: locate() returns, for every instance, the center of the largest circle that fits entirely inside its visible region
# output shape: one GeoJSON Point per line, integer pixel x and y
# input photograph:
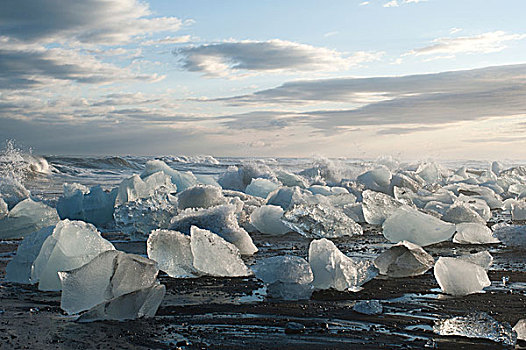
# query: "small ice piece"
{"type": "Point", "coordinates": [285, 197]}
{"type": "Point", "coordinates": [109, 275]}
{"type": "Point", "coordinates": [95, 207]}
{"type": "Point", "coordinates": [333, 269]}
{"type": "Point", "coordinates": [181, 180]}
{"type": "Point", "coordinates": [19, 268]}
{"type": "Point", "coordinates": [378, 179]}
{"type": "Point", "coordinates": [3, 208]}
{"type": "Point", "coordinates": [520, 328]}
{"type": "Point", "coordinates": [457, 276]}
{"type": "Point", "coordinates": [483, 259]}
{"type": "Point", "coordinates": [200, 196]}
{"type": "Point", "coordinates": [414, 182]}
{"type": "Point", "coordinates": [511, 235]}
{"type": "Point", "coordinates": [238, 178]}
{"type": "Point", "coordinates": [460, 212]}
{"type": "Point", "coordinates": [404, 259]}
{"type": "Point", "coordinates": [172, 251]}
{"type": "Point", "coordinates": [72, 244]}
{"type": "Point", "coordinates": [407, 224]}
{"type": "Point", "coordinates": [216, 257]}
{"type": "Point", "coordinates": [355, 212]}
{"type": "Point", "coordinates": [25, 218]}
{"type": "Point", "coordinates": [327, 190]}
{"type": "Point", "coordinates": [135, 188]}
{"type": "Point", "coordinates": [221, 220]}
{"type": "Point", "coordinates": [476, 325]}
{"type": "Point", "coordinates": [377, 207]}
{"type": "Point", "coordinates": [472, 233]}
{"type": "Point", "coordinates": [430, 172]}
{"type": "Point", "coordinates": [518, 211]}
{"type": "Point", "coordinates": [318, 220]}
{"type": "Point", "coordinates": [267, 219]}
{"type": "Point", "coordinates": [496, 167]}
{"type": "Point", "coordinates": [290, 179]}
{"type": "Point", "coordinates": [139, 303]}
{"type": "Point", "coordinates": [368, 307]}
{"type": "Point", "coordinates": [261, 187]}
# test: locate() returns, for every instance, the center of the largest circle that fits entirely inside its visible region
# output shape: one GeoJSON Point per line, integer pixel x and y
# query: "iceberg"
{"type": "Point", "coordinates": [333, 269]}
{"type": "Point", "coordinates": [368, 307]}
{"type": "Point", "coordinates": [472, 233]}
{"type": "Point", "coordinates": [460, 212]}
{"type": "Point", "coordinates": [181, 180]}
{"type": "Point", "coordinates": [139, 303]}
{"type": "Point", "coordinates": [215, 256]}
{"type": "Point", "coordinates": [172, 252]}
{"type": "Point", "coordinates": [289, 179]}
{"type": "Point", "coordinates": [378, 180]}
{"type": "Point", "coordinates": [95, 207]}
{"type": "Point", "coordinates": [520, 328]}
{"type": "Point", "coordinates": [456, 276]}
{"type": "Point", "coordinates": [109, 275]}
{"type": "Point", "coordinates": [71, 245]}
{"type": "Point", "coordinates": [238, 178]}
{"type": "Point", "coordinates": [200, 196]}
{"type": "Point", "coordinates": [404, 259]}
{"type": "Point", "coordinates": [267, 219]}
{"type": "Point", "coordinates": [377, 206]}
{"type": "Point", "coordinates": [407, 224]}
{"type": "Point", "coordinates": [221, 220]}
{"type": "Point", "coordinates": [25, 218]}
{"type": "Point", "coordinates": [318, 220]}
{"type": "Point", "coordinates": [261, 187]}
{"type": "Point", "coordinates": [135, 188]}
{"type": "Point", "coordinates": [477, 325]}
{"type": "Point", "coordinates": [285, 197]}
{"type": "Point", "coordinates": [430, 173]}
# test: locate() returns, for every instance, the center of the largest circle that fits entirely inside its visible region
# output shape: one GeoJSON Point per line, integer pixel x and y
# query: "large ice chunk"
{"type": "Point", "coordinates": [238, 178]}
{"type": "Point", "coordinates": [457, 276]}
{"type": "Point", "coordinates": [261, 187]}
{"type": "Point", "coordinates": [140, 303]}
{"type": "Point", "coordinates": [477, 325]}
{"type": "Point", "coordinates": [135, 188]}
{"type": "Point", "coordinates": [290, 179]}
{"type": "Point", "coordinates": [471, 233]}
{"type": "Point", "coordinates": [285, 197]}
{"type": "Point", "coordinates": [200, 196]}
{"type": "Point", "coordinates": [430, 172]}
{"type": "Point", "coordinates": [215, 256]}
{"type": "Point", "coordinates": [520, 328]}
{"type": "Point", "coordinates": [407, 224]}
{"type": "Point", "coordinates": [25, 218]}
{"type": "Point", "coordinates": [12, 191]}
{"type": "Point", "coordinates": [405, 259]}
{"type": "Point", "coordinates": [460, 212]}
{"type": "Point", "coordinates": [377, 179]}
{"type": "Point", "coordinates": [377, 206]}
{"type": "Point", "coordinates": [221, 220]}
{"type": "Point", "coordinates": [109, 275]}
{"type": "Point", "coordinates": [181, 180]}
{"type": "Point", "coordinates": [95, 207]}
{"type": "Point", "coordinates": [72, 244]}
{"type": "Point", "coordinates": [288, 277]}
{"type": "Point", "coordinates": [19, 268]}
{"type": "Point", "coordinates": [483, 259]}
{"type": "Point", "coordinates": [267, 219]}
{"type": "Point", "coordinates": [333, 269]}
{"type": "Point", "coordinates": [172, 251]}
{"type": "Point", "coordinates": [318, 220]}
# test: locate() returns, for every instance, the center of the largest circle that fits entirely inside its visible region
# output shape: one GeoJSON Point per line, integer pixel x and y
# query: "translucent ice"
{"type": "Point", "coordinates": [377, 179]}
{"type": "Point", "coordinates": [333, 269]}
{"type": "Point", "coordinates": [238, 178]}
{"type": "Point", "coordinates": [460, 212]}
{"type": "Point", "coordinates": [140, 303]}
{"type": "Point", "coordinates": [327, 191]}
{"type": "Point", "coordinates": [172, 251]}
{"type": "Point", "coordinates": [221, 220]}
{"type": "Point", "coordinates": [72, 244]}
{"type": "Point", "coordinates": [3, 208]}
{"type": "Point", "coordinates": [518, 211]}
{"type": "Point", "coordinates": [368, 307]}
{"type": "Point", "coordinates": [318, 220]}
{"type": "Point", "coordinates": [214, 256]}
{"type": "Point", "coordinates": [182, 180]}
{"type": "Point", "coordinates": [135, 188]}
{"type": "Point", "coordinates": [471, 233]}
{"type": "Point", "coordinates": [405, 259]}
{"type": "Point", "coordinates": [520, 328]}
{"type": "Point", "coordinates": [377, 206]}
{"type": "Point", "coordinates": [261, 187]}
{"type": "Point", "coordinates": [25, 218]}
{"type": "Point", "coordinates": [285, 197]}
{"type": "Point", "coordinates": [457, 276]}
{"type": "Point", "coordinates": [12, 191]}
{"type": "Point", "coordinates": [483, 259]}
{"type": "Point", "coordinates": [109, 275]}
{"type": "Point", "coordinates": [477, 325]}
{"type": "Point", "coordinates": [511, 235]}
{"type": "Point", "coordinates": [430, 172]}
{"type": "Point", "coordinates": [95, 207]}
{"type": "Point", "coordinates": [200, 196]}
{"type": "Point", "coordinates": [19, 268]}
{"type": "Point", "coordinates": [411, 225]}
{"type": "Point", "coordinates": [267, 219]}
{"type": "Point", "coordinates": [290, 179]}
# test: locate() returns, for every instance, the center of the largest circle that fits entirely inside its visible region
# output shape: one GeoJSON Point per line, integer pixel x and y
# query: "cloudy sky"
{"type": "Point", "coordinates": [441, 79]}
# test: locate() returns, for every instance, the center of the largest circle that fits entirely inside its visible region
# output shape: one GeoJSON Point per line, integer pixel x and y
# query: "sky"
{"type": "Point", "coordinates": [412, 79]}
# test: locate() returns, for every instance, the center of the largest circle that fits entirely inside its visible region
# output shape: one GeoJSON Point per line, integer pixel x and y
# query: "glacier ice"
{"type": "Point", "coordinates": [377, 206]}
{"type": "Point", "coordinates": [107, 276]}
{"type": "Point", "coordinates": [25, 218]}
{"type": "Point", "coordinates": [172, 252]}
{"type": "Point", "coordinates": [19, 268]}
{"type": "Point", "coordinates": [518, 211]}
{"type": "Point", "coordinates": [200, 196]}
{"type": "Point", "coordinates": [368, 307]}
{"type": "Point", "coordinates": [140, 303]}
{"type": "Point", "coordinates": [354, 211]}
{"type": "Point", "coordinates": [72, 244]}
{"type": "Point", "coordinates": [378, 179]}
{"type": "Point", "coordinates": [135, 188]}
{"type": "Point", "coordinates": [261, 187]}
{"type": "Point", "coordinates": [238, 178]}
{"type": "Point", "coordinates": [483, 259]}
{"type": "Point", "coordinates": [289, 179]}
{"type": "Point", "coordinates": [404, 259]}
{"type": "Point", "coordinates": [520, 328]}
{"type": "Point", "coordinates": [511, 235]}
{"type": "Point", "coordinates": [460, 212]}
{"type": "Point", "coordinates": [12, 191]}
{"type": "Point", "coordinates": [95, 207]}
{"type": "Point", "coordinates": [3, 208]}
{"type": "Point", "coordinates": [412, 182]}
{"type": "Point", "coordinates": [407, 224]}
{"type": "Point", "coordinates": [267, 219]}
{"type": "Point", "coordinates": [181, 180]}
{"type": "Point", "coordinates": [285, 197]}
{"type": "Point", "coordinates": [327, 191]}
{"type": "Point", "coordinates": [215, 256]}
{"type": "Point", "coordinates": [333, 269]}
{"type": "Point", "coordinates": [430, 172]}
{"type": "Point", "coordinates": [221, 220]}
{"type": "Point", "coordinates": [318, 220]}
{"type": "Point", "coordinates": [476, 325]}
{"type": "Point", "coordinates": [472, 233]}
{"type": "Point", "coordinates": [457, 276]}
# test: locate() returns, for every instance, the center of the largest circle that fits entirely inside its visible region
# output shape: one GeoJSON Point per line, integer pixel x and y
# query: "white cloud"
{"type": "Point", "coordinates": [455, 30]}
{"type": "Point", "coordinates": [329, 34]}
{"type": "Point", "coordinates": [397, 3]}
{"type": "Point", "coordinates": [169, 40]}
{"type": "Point", "coordinates": [364, 3]}
{"type": "Point", "coordinates": [393, 3]}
